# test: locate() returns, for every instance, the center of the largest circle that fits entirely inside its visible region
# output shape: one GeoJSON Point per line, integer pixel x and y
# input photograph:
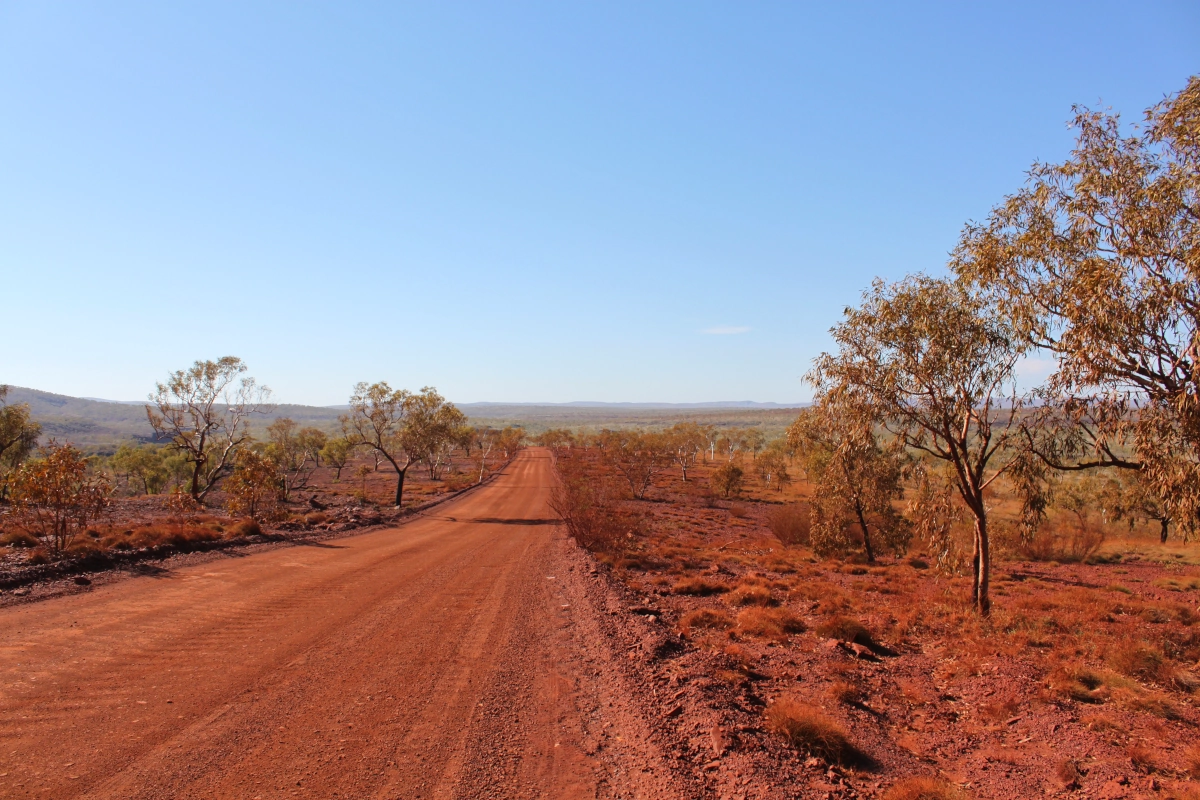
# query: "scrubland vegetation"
{"type": "Point", "coordinates": [942, 583]}
{"type": "Point", "coordinates": [938, 583]}
{"type": "Point", "coordinates": [211, 481]}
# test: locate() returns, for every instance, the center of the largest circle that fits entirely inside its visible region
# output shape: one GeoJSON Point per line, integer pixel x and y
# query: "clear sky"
{"type": "Point", "coordinates": [514, 201]}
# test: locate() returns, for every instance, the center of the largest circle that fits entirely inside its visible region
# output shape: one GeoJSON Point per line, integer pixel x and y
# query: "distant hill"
{"type": "Point", "coordinates": [100, 426]}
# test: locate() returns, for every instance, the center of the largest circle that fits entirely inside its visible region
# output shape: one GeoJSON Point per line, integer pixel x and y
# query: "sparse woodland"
{"type": "Point", "coordinates": [939, 574]}
{"type": "Point", "coordinates": [208, 482]}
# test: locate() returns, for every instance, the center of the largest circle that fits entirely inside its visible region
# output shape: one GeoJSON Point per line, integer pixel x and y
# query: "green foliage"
{"type": "Point", "coordinates": [150, 468]}
{"type": "Point", "coordinates": [728, 479]}
{"type": "Point", "coordinates": [18, 436]}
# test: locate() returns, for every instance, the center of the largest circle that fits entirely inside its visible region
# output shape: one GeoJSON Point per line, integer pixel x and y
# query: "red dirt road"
{"type": "Point", "coordinates": [454, 656]}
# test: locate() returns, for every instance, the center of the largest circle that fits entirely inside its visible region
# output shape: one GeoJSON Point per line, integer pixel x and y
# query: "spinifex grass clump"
{"type": "Point", "coordinates": [810, 731]}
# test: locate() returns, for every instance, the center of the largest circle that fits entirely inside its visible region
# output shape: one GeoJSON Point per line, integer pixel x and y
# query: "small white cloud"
{"type": "Point", "coordinates": [727, 330]}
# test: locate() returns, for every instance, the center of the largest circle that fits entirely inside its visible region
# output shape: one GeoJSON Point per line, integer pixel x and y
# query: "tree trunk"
{"type": "Point", "coordinates": [196, 480]}
{"type": "Point", "coordinates": [862, 523]}
{"type": "Point", "coordinates": [1162, 530]}
{"type": "Point", "coordinates": [981, 563]}
{"type": "Point", "coordinates": [400, 485]}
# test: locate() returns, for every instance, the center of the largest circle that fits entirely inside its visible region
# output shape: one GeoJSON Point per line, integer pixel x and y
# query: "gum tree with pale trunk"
{"type": "Point", "coordinates": [205, 411]}
{"type": "Point", "coordinates": [929, 360]}
{"type": "Point", "coordinates": [377, 420]}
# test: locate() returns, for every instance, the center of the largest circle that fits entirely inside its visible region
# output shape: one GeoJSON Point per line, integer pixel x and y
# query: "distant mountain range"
{"type": "Point", "coordinates": [490, 404]}
{"type": "Point", "coordinates": [99, 425]}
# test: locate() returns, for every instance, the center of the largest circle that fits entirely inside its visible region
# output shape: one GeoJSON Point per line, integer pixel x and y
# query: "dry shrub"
{"type": "Point", "coordinates": [810, 731]}
{"type": "Point", "coordinates": [769, 623]}
{"type": "Point", "coordinates": [846, 630]}
{"type": "Point", "coordinates": [707, 618]}
{"type": "Point", "coordinates": [922, 788]}
{"type": "Point", "coordinates": [589, 504]}
{"type": "Point", "coordinates": [791, 523]}
{"type": "Point", "coordinates": [750, 596]}
{"type": "Point", "coordinates": [700, 587]}
{"type": "Point", "coordinates": [56, 496]}
{"type": "Point", "coordinates": [456, 483]}
{"type": "Point", "coordinates": [1148, 702]}
{"type": "Point", "coordinates": [1066, 543]}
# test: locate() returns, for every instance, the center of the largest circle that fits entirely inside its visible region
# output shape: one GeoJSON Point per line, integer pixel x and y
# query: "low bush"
{"type": "Point", "coordinates": [590, 506]}
{"type": "Point", "coordinates": [791, 524]}
{"type": "Point", "coordinates": [810, 731]}
{"type": "Point", "coordinates": [1064, 544]}
{"type": "Point", "coordinates": [845, 692]}
{"type": "Point", "coordinates": [728, 480]}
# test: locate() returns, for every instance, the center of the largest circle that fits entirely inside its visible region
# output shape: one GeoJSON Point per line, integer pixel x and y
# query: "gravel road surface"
{"type": "Point", "coordinates": [455, 656]}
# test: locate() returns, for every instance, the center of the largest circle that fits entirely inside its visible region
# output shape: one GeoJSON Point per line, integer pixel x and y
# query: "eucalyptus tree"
{"type": "Point", "coordinates": [856, 479]}
{"type": "Point", "coordinates": [377, 420]}
{"type": "Point", "coordinates": [1096, 262]}
{"type": "Point", "coordinates": [929, 360]}
{"type": "Point", "coordinates": [205, 412]}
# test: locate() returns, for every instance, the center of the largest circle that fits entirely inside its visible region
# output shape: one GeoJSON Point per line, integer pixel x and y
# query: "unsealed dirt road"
{"type": "Point", "coordinates": [454, 656]}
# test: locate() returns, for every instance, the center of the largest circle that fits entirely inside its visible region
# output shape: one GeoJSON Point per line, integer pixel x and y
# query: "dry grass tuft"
{"type": "Point", "coordinates": [769, 623]}
{"type": "Point", "coordinates": [247, 527]}
{"type": "Point", "coordinates": [700, 587]}
{"type": "Point", "coordinates": [810, 731]}
{"type": "Point", "coordinates": [846, 630]}
{"type": "Point", "coordinates": [845, 692]}
{"type": "Point", "coordinates": [19, 539]}
{"type": "Point", "coordinates": [750, 596]}
{"type": "Point", "coordinates": [709, 618]}
{"type": "Point", "coordinates": [1191, 761]}
{"type": "Point", "coordinates": [1141, 758]}
{"type": "Point", "coordinates": [1139, 660]}
{"type": "Point", "coordinates": [922, 788]}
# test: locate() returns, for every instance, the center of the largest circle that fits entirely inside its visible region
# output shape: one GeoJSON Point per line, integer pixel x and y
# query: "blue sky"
{"type": "Point", "coordinates": [515, 201]}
